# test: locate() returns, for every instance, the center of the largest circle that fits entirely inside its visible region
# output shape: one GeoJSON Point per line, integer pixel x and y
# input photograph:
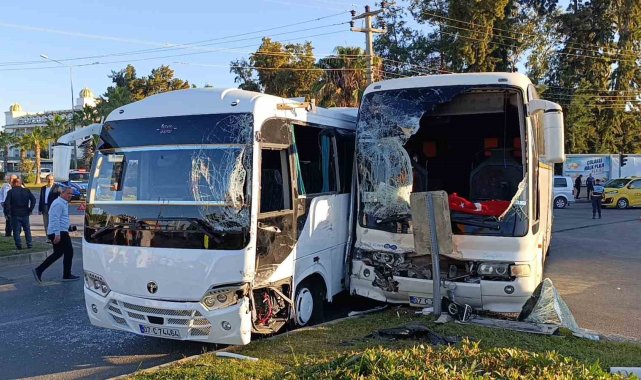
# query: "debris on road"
{"type": "Point", "coordinates": [528, 327]}
{"type": "Point", "coordinates": [231, 355]}
{"type": "Point", "coordinates": [368, 311]}
{"type": "Point", "coordinates": [416, 332]}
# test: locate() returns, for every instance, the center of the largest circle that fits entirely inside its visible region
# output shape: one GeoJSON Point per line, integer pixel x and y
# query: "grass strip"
{"type": "Point", "coordinates": [345, 350]}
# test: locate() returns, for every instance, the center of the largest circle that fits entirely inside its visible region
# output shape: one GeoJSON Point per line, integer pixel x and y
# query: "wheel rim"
{"type": "Point", "coordinates": [622, 203]}
{"type": "Point", "coordinates": [560, 203]}
{"type": "Point", "coordinates": [304, 306]}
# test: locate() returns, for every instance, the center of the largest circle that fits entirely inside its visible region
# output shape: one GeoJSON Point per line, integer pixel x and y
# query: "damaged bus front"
{"type": "Point", "coordinates": [486, 140]}
{"type": "Point", "coordinates": [214, 214]}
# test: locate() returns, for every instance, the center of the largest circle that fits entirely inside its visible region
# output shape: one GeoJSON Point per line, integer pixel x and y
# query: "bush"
{"type": "Point", "coordinates": [29, 177]}
{"type": "Point", "coordinates": [467, 361]}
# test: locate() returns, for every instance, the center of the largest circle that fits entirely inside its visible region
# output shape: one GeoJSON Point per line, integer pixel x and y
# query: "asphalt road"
{"type": "Point", "coordinates": [45, 333]}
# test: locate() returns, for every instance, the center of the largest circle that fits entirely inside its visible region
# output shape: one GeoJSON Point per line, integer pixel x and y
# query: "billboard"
{"type": "Point", "coordinates": [598, 166]}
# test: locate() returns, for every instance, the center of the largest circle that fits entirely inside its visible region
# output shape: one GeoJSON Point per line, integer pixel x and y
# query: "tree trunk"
{"type": "Point", "coordinates": [38, 162]}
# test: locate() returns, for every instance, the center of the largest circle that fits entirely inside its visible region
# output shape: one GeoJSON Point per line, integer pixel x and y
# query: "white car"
{"type": "Point", "coordinates": [44, 172]}
{"type": "Point", "coordinates": [563, 191]}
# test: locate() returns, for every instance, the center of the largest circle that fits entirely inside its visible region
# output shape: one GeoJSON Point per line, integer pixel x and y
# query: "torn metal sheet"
{"type": "Point", "coordinates": [421, 224]}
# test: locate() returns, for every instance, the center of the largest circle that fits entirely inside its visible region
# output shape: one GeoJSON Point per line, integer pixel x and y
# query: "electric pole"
{"type": "Point", "coordinates": [369, 31]}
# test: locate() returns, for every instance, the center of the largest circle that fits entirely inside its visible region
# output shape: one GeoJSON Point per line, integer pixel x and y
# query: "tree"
{"type": "Point", "coordinates": [57, 126]}
{"type": "Point", "coordinates": [113, 98]}
{"type": "Point", "coordinates": [6, 141]}
{"type": "Point", "coordinates": [282, 70]}
{"type": "Point", "coordinates": [37, 139]}
{"type": "Point", "coordinates": [344, 79]}
{"type": "Point", "coordinates": [24, 142]}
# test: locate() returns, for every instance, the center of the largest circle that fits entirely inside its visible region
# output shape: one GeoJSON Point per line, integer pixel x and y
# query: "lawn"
{"type": "Point", "coordinates": [346, 350]}
{"type": "Point", "coordinates": [8, 247]}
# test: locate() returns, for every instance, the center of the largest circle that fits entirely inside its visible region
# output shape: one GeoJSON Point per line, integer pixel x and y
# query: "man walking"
{"type": "Point", "coordinates": [577, 185]}
{"type": "Point", "coordinates": [58, 230]}
{"type": "Point", "coordinates": [3, 195]}
{"type": "Point", "coordinates": [589, 184]}
{"type": "Point", "coordinates": [597, 196]}
{"type": "Point", "coordinates": [43, 204]}
{"type": "Point", "coordinates": [20, 203]}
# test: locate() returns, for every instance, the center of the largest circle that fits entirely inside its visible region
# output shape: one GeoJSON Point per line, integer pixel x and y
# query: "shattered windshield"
{"type": "Point", "coordinates": [465, 140]}
{"type": "Point", "coordinates": [187, 187]}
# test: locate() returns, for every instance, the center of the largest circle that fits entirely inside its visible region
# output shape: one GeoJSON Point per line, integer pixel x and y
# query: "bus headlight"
{"type": "Point", "coordinates": [520, 270]}
{"type": "Point", "coordinates": [494, 270]}
{"type": "Point", "coordinates": [218, 298]}
{"type": "Point", "coordinates": [96, 283]}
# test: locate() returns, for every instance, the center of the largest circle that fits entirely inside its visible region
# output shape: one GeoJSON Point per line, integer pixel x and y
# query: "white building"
{"type": "Point", "coordinates": [20, 122]}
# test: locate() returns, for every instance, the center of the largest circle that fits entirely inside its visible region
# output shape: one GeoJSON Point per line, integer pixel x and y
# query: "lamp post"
{"type": "Point", "coordinates": [44, 56]}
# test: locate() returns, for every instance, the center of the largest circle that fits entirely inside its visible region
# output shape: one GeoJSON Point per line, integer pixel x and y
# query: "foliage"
{"type": "Point", "coordinates": [344, 79]}
{"type": "Point", "coordinates": [128, 87]}
{"type": "Point", "coordinates": [57, 126]}
{"type": "Point", "coordinates": [27, 167]}
{"type": "Point", "coordinates": [38, 139]}
{"type": "Point", "coordinates": [282, 70]}
{"type": "Point", "coordinates": [6, 141]}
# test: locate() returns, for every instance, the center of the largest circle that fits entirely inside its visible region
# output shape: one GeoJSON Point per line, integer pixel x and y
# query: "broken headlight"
{"type": "Point", "coordinates": [96, 283]}
{"type": "Point", "coordinates": [494, 270]}
{"type": "Point", "coordinates": [218, 298]}
{"type": "Point", "coordinates": [520, 270]}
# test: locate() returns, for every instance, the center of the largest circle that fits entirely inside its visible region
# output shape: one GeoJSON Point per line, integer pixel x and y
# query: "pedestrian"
{"type": "Point", "coordinates": [577, 185]}
{"type": "Point", "coordinates": [58, 230]}
{"type": "Point", "coordinates": [589, 183]}
{"type": "Point", "coordinates": [597, 196]}
{"type": "Point", "coordinates": [3, 195]}
{"type": "Point", "coordinates": [20, 203]}
{"type": "Point", "coordinates": [43, 204]}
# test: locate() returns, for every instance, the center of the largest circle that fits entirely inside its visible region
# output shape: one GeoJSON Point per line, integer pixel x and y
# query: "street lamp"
{"type": "Point", "coordinates": [44, 56]}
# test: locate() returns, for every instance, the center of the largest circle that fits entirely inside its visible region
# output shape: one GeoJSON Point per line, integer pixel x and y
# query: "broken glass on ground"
{"type": "Point", "coordinates": [414, 332]}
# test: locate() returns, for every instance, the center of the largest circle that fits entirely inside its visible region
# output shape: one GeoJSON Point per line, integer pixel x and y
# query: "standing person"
{"type": "Point", "coordinates": [589, 183]}
{"type": "Point", "coordinates": [577, 185]}
{"type": "Point", "coordinates": [597, 196]}
{"type": "Point", "coordinates": [43, 204]}
{"type": "Point", "coordinates": [20, 202]}
{"type": "Point", "coordinates": [3, 195]}
{"type": "Point", "coordinates": [59, 235]}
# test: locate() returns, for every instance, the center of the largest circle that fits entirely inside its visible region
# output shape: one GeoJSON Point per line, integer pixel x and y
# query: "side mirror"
{"type": "Point", "coordinates": [553, 134]}
{"type": "Point", "coordinates": [61, 162]}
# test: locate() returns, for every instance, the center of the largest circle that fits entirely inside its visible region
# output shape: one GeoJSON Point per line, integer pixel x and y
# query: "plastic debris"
{"type": "Point", "coordinates": [235, 356]}
{"type": "Point", "coordinates": [546, 306]}
{"type": "Point", "coordinates": [417, 332]}
{"type": "Point", "coordinates": [368, 311]}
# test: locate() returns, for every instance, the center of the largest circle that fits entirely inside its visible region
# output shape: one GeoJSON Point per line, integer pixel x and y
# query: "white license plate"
{"type": "Point", "coordinates": [160, 331]}
{"type": "Point", "coordinates": [420, 301]}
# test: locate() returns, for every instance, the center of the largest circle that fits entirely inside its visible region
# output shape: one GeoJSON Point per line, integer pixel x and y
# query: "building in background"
{"type": "Point", "coordinates": [20, 122]}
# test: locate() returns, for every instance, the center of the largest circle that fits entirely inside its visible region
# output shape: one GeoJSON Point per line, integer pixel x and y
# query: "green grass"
{"type": "Point", "coordinates": [8, 246]}
{"type": "Point", "coordinates": [344, 351]}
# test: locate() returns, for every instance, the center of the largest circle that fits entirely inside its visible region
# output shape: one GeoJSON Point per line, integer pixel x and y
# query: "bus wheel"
{"type": "Point", "coordinates": [309, 302]}
{"type": "Point", "coordinates": [622, 203]}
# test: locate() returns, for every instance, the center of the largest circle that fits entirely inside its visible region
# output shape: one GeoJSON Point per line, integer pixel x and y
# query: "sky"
{"type": "Point", "coordinates": [99, 29]}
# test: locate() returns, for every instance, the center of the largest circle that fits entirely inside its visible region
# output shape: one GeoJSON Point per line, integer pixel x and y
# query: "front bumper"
{"type": "Point", "coordinates": [190, 320]}
{"type": "Point", "coordinates": [484, 295]}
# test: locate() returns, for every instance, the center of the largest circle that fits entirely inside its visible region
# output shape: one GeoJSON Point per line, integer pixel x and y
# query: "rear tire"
{"type": "Point", "coordinates": [309, 303]}
{"type": "Point", "coordinates": [560, 202]}
{"type": "Point", "coordinates": [623, 203]}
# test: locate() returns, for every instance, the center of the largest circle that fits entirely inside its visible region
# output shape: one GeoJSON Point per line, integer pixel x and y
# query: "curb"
{"type": "Point", "coordinates": [25, 258]}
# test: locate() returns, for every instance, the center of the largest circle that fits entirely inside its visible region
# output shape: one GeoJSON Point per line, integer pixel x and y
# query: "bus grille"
{"type": "Point", "coordinates": [162, 312]}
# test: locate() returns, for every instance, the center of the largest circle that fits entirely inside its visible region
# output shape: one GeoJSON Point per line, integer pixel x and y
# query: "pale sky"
{"type": "Point", "coordinates": [92, 28]}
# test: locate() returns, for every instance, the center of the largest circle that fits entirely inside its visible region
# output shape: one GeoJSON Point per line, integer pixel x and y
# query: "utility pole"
{"type": "Point", "coordinates": [369, 31]}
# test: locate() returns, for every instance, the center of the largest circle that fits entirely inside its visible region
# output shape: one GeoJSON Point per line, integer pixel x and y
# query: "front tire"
{"type": "Point", "coordinates": [623, 203]}
{"type": "Point", "coordinates": [309, 303]}
{"type": "Point", "coordinates": [560, 202]}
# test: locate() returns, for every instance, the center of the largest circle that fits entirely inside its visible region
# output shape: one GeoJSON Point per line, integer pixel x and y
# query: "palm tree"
{"type": "Point", "coordinates": [6, 140]}
{"type": "Point", "coordinates": [24, 142]}
{"type": "Point", "coordinates": [57, 127]}
{"type": "Point", "coordinates": [344, 79]}
{"type": "Point", "coordinates": [38, 138]}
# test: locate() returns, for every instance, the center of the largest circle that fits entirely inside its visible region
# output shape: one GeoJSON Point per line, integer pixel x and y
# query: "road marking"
{"type": "Point", "coordinates": [596, 225]}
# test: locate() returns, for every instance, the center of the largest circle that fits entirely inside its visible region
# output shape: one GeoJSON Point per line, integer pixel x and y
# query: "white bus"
{"type": "Point", "coordinates": [214, 214]}
{"type": "Point", "coordinates": [488, 141]}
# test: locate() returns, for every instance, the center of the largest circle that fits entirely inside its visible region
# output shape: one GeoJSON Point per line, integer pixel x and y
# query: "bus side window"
{"type": "Point", "coordinates": [275, 191]}
{"type": "Point", "coordinates": [316, 157]}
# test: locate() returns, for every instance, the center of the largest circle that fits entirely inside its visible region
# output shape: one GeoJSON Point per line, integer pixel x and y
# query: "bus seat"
{"type": "Point", "coordinates": [490, 143]}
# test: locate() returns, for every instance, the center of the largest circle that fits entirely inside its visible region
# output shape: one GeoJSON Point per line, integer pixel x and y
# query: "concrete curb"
{"type": "Point", "coordinates": [194, 357]}
{"type": "Point", "coordinates": [25, 258]}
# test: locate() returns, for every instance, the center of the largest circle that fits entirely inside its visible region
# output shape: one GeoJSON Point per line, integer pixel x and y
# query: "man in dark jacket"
{"type": "Point", "coordinates": [43, 204]}
{"type": "Point", "coordinates": [577, 185]}
{"type": "Point", "coordinates": [20, 202]}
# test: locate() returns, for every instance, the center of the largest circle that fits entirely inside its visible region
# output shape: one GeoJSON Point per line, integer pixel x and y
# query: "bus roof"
{"type": "Point", "coordinates": [513, 79]}
{"type": "Point", "coordinates": [203, 101]}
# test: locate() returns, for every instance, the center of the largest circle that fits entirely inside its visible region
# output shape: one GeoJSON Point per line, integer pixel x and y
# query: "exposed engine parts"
{"type": "Point", "coordinates": [270, 308]}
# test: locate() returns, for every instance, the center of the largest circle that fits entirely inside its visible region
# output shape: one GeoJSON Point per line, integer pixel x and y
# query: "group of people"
{"type": "Point", "coordinates": [595, 192]}
{"type": "Point", "coordinates": [18, 204]}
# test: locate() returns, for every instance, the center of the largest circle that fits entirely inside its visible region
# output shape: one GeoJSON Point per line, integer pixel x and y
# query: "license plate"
{"type": "Point", "coordinates": [160, 331]}
{"type": "Point", "coordinates": [420, 301]}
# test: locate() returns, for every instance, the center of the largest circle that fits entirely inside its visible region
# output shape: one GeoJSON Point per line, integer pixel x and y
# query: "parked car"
{"type": "Point", "coordinates": [563, 194]}
{"type": "Point", "coordinates": [78, 181]}
{"type": "Point", "coordinates": [622, 192]}
{"type": "Point", "coordinates": [44, 172]}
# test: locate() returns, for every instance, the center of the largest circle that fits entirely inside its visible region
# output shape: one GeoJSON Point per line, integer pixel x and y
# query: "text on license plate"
{"type": "Point", "coordinates": [159, 331]}
{"type": "Point", "coordinates": [420, 301]}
